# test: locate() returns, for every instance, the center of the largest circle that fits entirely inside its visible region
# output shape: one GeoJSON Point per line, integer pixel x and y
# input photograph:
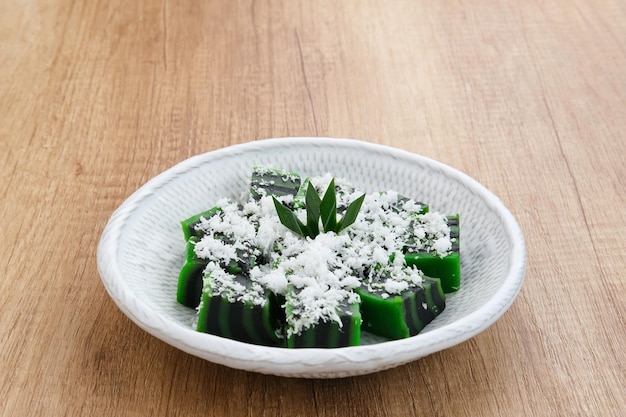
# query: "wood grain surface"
{"type": "Point", "coordinates": [527, 97]}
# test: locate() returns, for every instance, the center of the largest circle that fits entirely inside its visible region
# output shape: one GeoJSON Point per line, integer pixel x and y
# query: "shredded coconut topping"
{"type": "Point", "coordinates": [317, 276]}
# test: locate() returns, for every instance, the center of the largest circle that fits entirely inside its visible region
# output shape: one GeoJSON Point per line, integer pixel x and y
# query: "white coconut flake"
{"type": "Point", "coordinates": [442, 246]}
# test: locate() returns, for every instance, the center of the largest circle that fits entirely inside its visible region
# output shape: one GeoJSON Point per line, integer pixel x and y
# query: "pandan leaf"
{"type": "Point", "coordinates": [351, 214]}
{"type": "Point", "coordinates": [313, 203]}
{"type": "Point", "coordinates": [328, 208]}
{"type": "Point", "coordinates": [289, 219]}
{"type": "Point", "coordinates": [316, 209]}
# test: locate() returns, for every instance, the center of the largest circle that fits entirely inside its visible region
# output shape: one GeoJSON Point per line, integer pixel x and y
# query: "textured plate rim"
{"type": "Point", "coordinates": [313, 363]}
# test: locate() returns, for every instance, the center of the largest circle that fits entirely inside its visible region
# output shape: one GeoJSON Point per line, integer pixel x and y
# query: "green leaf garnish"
{"type": "Point", "coordinates": [351, 214]}
{"type": "Point", "coordinates": [289, 219]}
{"type": "Point", "coordinates": [313, 203]}
{"type": "Point", "coordinates": [328, 208]}
{"type": "Point", "coordinates": [316, 209]}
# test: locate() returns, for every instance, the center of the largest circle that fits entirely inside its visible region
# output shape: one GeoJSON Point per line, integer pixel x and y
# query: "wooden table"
{"type": "Point", "coordinates": [529, 98]}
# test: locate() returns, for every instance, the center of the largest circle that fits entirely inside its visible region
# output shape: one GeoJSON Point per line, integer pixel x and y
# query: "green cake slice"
{"type": "Point", "coordinates": [245, 321]}
{"type": "Point", "coordinates": [266, 181]}
{"type": "Point", "coordinates": [189, 225]}
{"type": "Point", "coordinates": [189, 289]}
{"type": "Point", "coordinates": [448, 267]}
{"type": "Point", "coordinates": [404, 315]}
{"type": "Point", "coordinates": [329, 333]}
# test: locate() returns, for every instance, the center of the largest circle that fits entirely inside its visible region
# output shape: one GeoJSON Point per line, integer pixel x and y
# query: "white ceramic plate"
{"type": "Point", "coordinates": [141, 250]}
